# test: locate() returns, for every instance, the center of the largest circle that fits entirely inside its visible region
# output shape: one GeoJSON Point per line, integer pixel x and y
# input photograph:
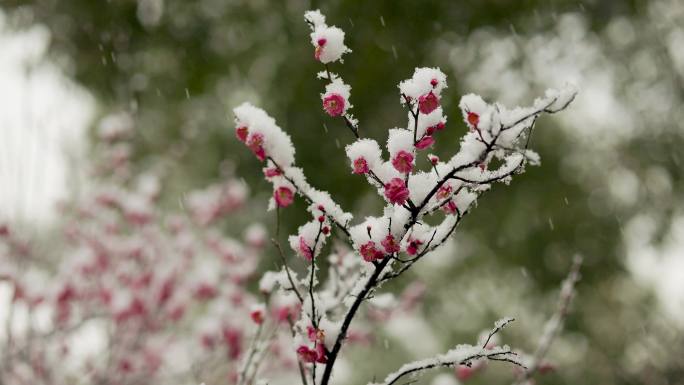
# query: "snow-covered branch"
{"type": "Point", "coordinates": [495, 148]}
{"type": "Point", "coordinates": [555, 323]}
{"type": "Point", "coordinates": [459, 355]}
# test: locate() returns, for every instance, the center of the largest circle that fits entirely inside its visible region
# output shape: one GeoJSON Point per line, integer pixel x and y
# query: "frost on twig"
{"type": "Point", "coordinates": [555, 323]}
{"type": "Point", "coordinates": [460, 355]}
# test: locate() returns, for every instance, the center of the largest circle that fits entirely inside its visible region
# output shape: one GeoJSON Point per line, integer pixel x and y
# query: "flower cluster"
{"type": "Point", "coordinates": [329, 47]}
{"type": "Point", "coordinates": [133, 285]}
{"type": "Point", "coordinates": [494, 148]}
{"type": "Point", "coordinates": [160, 287]}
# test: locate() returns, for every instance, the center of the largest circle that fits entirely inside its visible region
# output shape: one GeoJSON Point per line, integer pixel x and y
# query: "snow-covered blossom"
{"type": "Point", "coordinates": [241, 133]}
{"type": "Point", "coordinates": [257, 313]}
{"type": "Point", "coordinates": [309, 240]}
{"type": "Point", "coordinates": [328, 41]}
{"type": "Point", "coordinates": [450, 207]}
{"type": "Point", "coordinates": [255, 235]}
{"type": "Point", "coordinates": [264, 137]}
{"type": "Point", "coordinates": [360, 166]}
{"type": "Point", "coordinates": [428, 103]}
{"type": "Point", "coordinates": [390, 244]}
{"type": "Point", "coordinates": [400, 146]}
{"type": "Point", "coordinates": [370, 252]}
{"type": "Point", "coordinates": [334, 104]}
{"type": "Point", "coordinates": [399, 140]}
{"type": "Point", "coordinates": [426, 142]}
{"type": "Point", "coordinates": [284, 196]}
{"type": "Point", "coordinates": [427, 124]}
{"type": "Point", "coordinates": [403, 162]}
{"type": "Point", "coordinates": [364, 154]}
{"type": "Point", "coordinates": [336, 98]}
{"type": "Point", "coordinates": [413, 245]}
{"type": "Point", "coordinates": [212, 203]}
{"type": "Point", "coordinates": [311, 355]}
{"type": "Point", "coordinates": [396, 191]}
{"type": "Point", "coordinates": [425, 81]}
{"type": "Point", "coordinates": [476, 112]}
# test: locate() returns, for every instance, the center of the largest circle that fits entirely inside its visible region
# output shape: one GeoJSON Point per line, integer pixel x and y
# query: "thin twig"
{"type": "Point", "coordinates": [308, 199]}
{"type": "Point", "coordinates": [287, 270]}
{"type": "Point", "coordinates": [555, 323]}
{"type": "Point", "coordinates": [499, 354]}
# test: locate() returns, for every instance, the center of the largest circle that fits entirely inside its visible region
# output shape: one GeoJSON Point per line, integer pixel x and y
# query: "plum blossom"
{"type": "Point", "coordinates": [255, 143]}
{"type": "Point", "coordinates": [334, 104]}
{"type": "Point", "coordinates": [396, 191]}
{"type": "Point", "coordinates": [241, 133]}
{"type": "Point", "coordinates": [284, 196]}
{"type": "Point", "coordinates": [473, 119]}
{"type": "Point", "coordinates": [361, 166]}
{"type": "Point", "coordinates": [403, 162]}
{"type": "Point", "coordinates": [270, 172]}
{"type": "Point", "coordinates": [328, 41]}
{"type": "Point", "coordinates": [310, 239]}
{"type": "Point", "coordinates": [435, 128]}
{"type": "Point", "coordinates": [390, 244]}
{"type": "Point", "coordinates": [370, 252]}
{"type": "Point", "coordinates": [364, 154]}
{"type": "Point", "coordinates": [304, 249]}
{"type": "Point", "coordinates": [257, 313]}
{"type": "Point", "coordinates": [426, 142]}
{"type": "Point", "coordinates": [424, 82]}
{"type": "Point", "coordinates": [309, 355]}
{"type": "Point", "coordinates": [428, 103]}
{"type": "Point", "coordinates": [413, 245]}
{"type": "Point", "coordinates": [336, 98]}
{"type": "Point", "coordinates": [450, 207]}
{"type": "Point", "coordinates": [264, 137]}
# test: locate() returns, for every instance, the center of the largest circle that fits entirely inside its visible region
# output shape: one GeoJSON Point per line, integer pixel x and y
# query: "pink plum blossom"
{"type": "Point", "coordinates": [283, 196]}
{"type": "Point", "coordinates": [370, 252]}
{"type": "Point", "coordinates": [304, 249]}
{"type": "Point", "coordinates": [473, 119]}
{"type": "Point", "coordinates": [390, 244]}
{"type": "Point", "coordinates": [334, 104]}
{"type": "Point", "coordinates": [412, 248]}
{"type": "Point", "coordinates": [403, 162]}
{"type": "Point", "coordinates": [241, 133]}
{"type": "Point", "coordinates": [319, 48]}
{"type": "Point", "coordinates": [360, 166]}
{"type": "Point", "coordinates": [255, 143]}
{"type": "Point", "coordinates": [428, 103]}
{"type": "Point", "coordinates": [396, 191]}
{"type": "Point", "coordinates": [426, 142]}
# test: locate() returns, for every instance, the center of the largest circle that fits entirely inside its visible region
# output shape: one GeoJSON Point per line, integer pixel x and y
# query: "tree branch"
{"type": "Point", "coordinates": [460, 355]}
{"type": "Point", "coordinates": [555, 323]}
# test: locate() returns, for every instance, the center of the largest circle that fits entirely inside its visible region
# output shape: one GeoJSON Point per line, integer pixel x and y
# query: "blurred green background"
{"type": "Point", "coordinates": [609, 188]}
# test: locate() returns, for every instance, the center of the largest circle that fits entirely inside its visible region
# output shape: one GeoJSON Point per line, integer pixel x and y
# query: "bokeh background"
{"type": "Point", "coordinates": [609, 188]}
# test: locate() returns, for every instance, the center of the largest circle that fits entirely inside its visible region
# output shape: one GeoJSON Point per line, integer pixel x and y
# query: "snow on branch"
{"type": "Point", "coordinates": [460, 355]}
{"type": "Point", "coordinates": [147, 274]}
{"type": "Point", "coordinates": [494, 148]}
{"type": "Point", "coordinates": [555, 323]}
